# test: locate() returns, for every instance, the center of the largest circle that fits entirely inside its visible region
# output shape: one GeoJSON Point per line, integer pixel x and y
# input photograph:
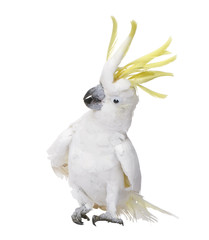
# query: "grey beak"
{"type": "Point", "coordinates": [93, 98]}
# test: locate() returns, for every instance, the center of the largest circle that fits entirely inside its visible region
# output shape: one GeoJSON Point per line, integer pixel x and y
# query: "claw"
{"type": "Point", "coordinates": [79, 214]}
{"type": "Point", "coordinates": [85, 217]}
{"type": "Point", "coordinates": [95, 219]}
{"type": "Point", "coordinates": [106, 217]}
{"type": "Point", "coordinates": [77, 220]}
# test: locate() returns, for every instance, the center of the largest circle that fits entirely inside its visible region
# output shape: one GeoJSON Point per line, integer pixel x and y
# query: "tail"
{"type": "Point", "coordinates": [137, 208]}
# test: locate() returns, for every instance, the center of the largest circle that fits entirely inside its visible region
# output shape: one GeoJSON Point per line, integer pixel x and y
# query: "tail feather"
{"type": "Point", "coordinates": [137, 208]}
{"type": "Point", "coordinates": [150, 205]}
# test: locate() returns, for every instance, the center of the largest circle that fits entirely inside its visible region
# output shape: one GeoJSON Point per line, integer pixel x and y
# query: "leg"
{"type": "Point", "coordinates": [115, 183]}
{"type": "Point", "coordinates": [85, 206]}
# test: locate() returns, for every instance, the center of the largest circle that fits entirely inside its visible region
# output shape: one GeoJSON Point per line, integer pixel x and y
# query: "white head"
{"type": "Point", "coordinates": [115, 98]}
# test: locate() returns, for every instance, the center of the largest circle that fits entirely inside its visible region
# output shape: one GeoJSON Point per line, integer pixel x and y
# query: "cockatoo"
{"type": "Point", "coordinates": [95, 153]}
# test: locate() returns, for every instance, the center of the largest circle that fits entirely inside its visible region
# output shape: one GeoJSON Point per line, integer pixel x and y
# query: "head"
{"type": "Point", "coordinates": [113, 108]}
{"type": "Point", "coordinates": [115, 97]}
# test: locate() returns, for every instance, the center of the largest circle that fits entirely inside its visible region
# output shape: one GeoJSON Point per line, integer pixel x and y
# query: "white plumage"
{"type": "Point", "coordinates": [102, 162]}
{"type": "Point", "coordinates": [96, 155]}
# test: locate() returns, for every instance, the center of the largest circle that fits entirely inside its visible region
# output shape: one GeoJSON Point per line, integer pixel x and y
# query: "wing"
{"type": "Point", "coordinates": [58, 152]}
{"type": "Point", "coordinates": [127, 156]}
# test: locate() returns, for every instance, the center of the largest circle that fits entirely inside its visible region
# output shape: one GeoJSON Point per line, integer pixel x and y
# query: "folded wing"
{"type": "Point", "coordinates": [58, 152]}
{"type": "Point", "coordinates": [128, 159]}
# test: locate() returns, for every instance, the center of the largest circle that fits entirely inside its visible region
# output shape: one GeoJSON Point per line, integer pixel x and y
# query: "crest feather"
{"type": "Point", "coordinates": [131, 35]}
{"type": "Point", "coordinates": [152, 93]}
{"type": "Point", "coordinates": [113, 38]}
{"type": "Point", "coordinates": [137, 71]}
{"type": "Point", "coordinates": [147, 76]}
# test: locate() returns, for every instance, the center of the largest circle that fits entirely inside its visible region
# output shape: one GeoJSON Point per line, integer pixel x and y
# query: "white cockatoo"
{"type": "Point", "coordinates": [95, 153]}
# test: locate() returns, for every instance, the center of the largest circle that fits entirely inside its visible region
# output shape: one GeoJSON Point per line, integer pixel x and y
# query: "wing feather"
{"type": "Point", "coordinates": [128, 159]}
{"type": "Point", "coordinates": [58, 152]}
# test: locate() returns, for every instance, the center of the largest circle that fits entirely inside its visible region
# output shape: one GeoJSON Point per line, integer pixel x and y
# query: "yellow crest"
{"type": "Point", "coordinates": [139, 71]}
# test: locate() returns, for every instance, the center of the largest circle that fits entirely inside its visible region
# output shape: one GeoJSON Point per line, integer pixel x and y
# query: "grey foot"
{"type": "Point", "coordinates": [106, 217]}
{"type": "Point", "coordinates": [79, 214]}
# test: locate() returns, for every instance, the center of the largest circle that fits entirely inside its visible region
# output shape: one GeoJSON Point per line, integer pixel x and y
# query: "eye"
{"type": "Point", "coordinates": [88, 100]}
{"type": "Point", "coordinates": [116, 100]}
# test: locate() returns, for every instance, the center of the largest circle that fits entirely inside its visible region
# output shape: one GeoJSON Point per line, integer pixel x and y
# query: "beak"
{"type": "Point", "coordinates": [93, 98]}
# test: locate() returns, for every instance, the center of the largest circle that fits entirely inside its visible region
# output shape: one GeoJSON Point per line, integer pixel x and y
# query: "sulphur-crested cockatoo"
{"type": "Point", "coordinates": [95, 153]}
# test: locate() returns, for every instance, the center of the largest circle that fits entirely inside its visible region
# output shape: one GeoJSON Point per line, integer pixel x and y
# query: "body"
{"type": "Point", "coordinates": [94, 167]}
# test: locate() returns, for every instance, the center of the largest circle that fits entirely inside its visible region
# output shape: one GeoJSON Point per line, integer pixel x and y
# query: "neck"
{"type": "Point", "coordinates": [117, 121]}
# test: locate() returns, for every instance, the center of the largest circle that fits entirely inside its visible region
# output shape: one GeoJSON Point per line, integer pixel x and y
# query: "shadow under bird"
{"type": "Point", "coordinates": [95, 153]}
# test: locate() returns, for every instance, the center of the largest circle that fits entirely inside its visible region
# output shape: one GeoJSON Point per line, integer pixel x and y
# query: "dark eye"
{"type": "Point", "coordinates": [88, 100]}
{"type": "Point", "coordinates": [116, 100]}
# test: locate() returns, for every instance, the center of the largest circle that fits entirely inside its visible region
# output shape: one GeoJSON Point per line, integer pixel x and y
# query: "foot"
{"type": "Point", "coordinates": [79, 214]}
{"type": "Point", "coordinates": [106, 217]}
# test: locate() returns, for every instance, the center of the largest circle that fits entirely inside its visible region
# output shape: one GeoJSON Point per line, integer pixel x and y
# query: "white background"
{"type": "Point", "coordinates": [51, 53]}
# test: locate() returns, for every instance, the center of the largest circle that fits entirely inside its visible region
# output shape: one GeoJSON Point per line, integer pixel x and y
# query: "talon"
{"type": "Point", "coordinates": [106, 217]}
{"type": "Point", "coordinates": [121, 222]}
{"type": "Point", "coordinates": [85, 217]}
{"type": "Point", "coordinates": [80, 213]}
{"type": "Point", "coordinates": [77, 220]}
{"type": "Point", "coordinates": [94, 219]}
